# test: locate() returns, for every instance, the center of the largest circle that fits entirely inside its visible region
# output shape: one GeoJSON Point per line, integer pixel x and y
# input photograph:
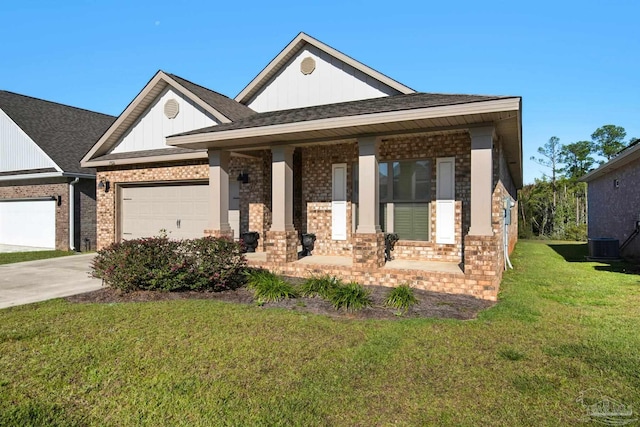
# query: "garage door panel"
{"type": "Point", "coordinates": [28, 223]}
{"type": "Point", "coordinates": [180, 210]}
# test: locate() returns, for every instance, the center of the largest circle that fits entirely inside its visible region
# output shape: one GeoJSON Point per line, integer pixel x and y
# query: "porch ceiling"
{"type": "Point", "coordinates": [504, 114]}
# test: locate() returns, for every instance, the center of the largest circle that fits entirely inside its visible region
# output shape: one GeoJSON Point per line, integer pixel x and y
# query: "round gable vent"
{"type": "Point", "coordinates": [307, 65]}
{"type": "Point", "coordinates": [171, 108]}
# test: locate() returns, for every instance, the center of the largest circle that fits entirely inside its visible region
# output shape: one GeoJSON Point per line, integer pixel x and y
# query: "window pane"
{"type": "Point", "coordinates": [411, 221]}
{"type": "Point", "coordinates": [422, 180]}
{"type": "Point", "coordinates": [403, 180]}
{"type": "Point", "coordinates": [383, 216]}
{"type": "Point", "coordinates": [383, 177]}
{"type": "Point", "coordinates": [355, 197]}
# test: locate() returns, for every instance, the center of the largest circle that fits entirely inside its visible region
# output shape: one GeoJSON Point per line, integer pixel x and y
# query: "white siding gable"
{"type": "Point", "coordinates": [18, 151]}
{"type": "Point", "coordinates": [153, 126]}
{"type": "Point", "coordinates": [332, 81]}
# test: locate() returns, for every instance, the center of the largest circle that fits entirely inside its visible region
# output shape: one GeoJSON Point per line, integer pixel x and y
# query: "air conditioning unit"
{"type": "Point", "coordinates": [604, 248]}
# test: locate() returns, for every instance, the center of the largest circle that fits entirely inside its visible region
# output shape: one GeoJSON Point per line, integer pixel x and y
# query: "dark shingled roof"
{"type": "Point", "coordinates": [232, 109]}
{"type": "Point", "coordinates": [64, 133]}
{"type": "Point", "coordinates": [344, 109]}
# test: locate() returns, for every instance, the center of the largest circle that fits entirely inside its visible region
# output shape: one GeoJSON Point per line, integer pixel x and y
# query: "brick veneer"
{"type": "Point", "coordinates": [28, 190]}
{"type": "Point", "coordinates": [482, 255]}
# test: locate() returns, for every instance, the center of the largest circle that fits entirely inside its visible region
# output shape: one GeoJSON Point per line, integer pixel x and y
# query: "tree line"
{"type": "Point", "coordinates": [555, 206]}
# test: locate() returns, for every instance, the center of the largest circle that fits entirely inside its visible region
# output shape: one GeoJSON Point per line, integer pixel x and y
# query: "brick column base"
{"type": "Point", "coordinates": [484, 263]}
{"type": "Point", "coordinates": [219, 233]}
{"type": "Point", "coordinates": [281, 246]}
{"type": "Point", "coordinates": [368, 251]}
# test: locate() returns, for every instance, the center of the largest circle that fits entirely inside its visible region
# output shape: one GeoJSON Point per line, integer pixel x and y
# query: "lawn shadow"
{"type": "Point", "coordinates": [571, 252]}
{"type": "Point", "coordinates": [578, 252]}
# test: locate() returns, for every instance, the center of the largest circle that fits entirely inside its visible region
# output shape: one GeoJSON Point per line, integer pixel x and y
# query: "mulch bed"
{"type": "Point", "coordinates": [431, 304]}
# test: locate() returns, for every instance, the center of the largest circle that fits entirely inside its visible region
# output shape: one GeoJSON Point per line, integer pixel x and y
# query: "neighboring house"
{"type": "Point", "coordinates": [46, 199]}
{"type": "Point", "coordinates": [320, 143]}
{"type": "Point", "coordinates": [614, 200]}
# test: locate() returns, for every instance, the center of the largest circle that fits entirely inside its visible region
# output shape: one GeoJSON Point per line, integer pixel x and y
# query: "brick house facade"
{"type": "Point", "coordinates": [317, 168]}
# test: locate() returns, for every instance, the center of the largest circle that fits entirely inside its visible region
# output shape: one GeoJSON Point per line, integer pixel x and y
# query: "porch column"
{"type": "Point", "coordinates": [282, 238]}
{"type": "Point", "coordinates": [369, 203]}
{"type": "Point", "coordinates": [219, 191]}
{"type": "Point", "coordinates": [368, 241]}
{"type": "Point", "coordinates": [481, 180]}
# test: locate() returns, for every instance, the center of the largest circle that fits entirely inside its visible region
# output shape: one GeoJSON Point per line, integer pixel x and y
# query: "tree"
{"type": "Point", "coordinates": [551, 152]}
{"type": "Point", "coordinates": [609, 140]}
{"type": "Point", "coordinates": [577, 159]}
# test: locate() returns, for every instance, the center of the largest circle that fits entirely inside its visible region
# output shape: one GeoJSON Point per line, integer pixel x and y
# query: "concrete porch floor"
{"type": "Point", "coordinates": [341, 261]}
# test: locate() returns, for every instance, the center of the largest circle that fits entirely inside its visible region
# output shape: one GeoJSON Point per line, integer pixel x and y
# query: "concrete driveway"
{"type": "Point", "coordinates": [32, 281]}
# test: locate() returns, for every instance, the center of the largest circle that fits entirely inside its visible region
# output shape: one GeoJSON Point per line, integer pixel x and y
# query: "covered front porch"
{"type": "Point", "coordinates": [432, 181]}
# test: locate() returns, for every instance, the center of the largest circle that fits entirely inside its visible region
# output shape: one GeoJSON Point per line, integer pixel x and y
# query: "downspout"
{"type": "Point", "coordinates": [72, 217]}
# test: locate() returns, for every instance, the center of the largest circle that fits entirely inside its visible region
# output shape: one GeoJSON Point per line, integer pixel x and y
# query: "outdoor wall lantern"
{"type": "Point", "coordinates": [58, 199]}
{"type": "Point", "coordinates": [243, 177]}
{"type": "Point", "coordinates": [104, 185]}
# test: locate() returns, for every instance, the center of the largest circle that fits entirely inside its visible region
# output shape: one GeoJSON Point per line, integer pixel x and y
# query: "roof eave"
{"type": "Point", "coordinates": [621, 160]}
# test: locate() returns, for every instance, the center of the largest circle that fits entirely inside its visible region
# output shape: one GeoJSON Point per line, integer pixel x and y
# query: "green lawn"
{"type": "Point", "coordinates": [562, 326]}
{"type": "Point", "coordinates": [11, 257]}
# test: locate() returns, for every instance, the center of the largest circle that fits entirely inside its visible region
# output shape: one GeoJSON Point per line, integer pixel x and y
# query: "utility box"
{"type": "Point", "coordinates": [604, 248]}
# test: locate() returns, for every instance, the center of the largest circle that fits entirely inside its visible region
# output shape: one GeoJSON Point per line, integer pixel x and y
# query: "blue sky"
{"type": "Point", "coordinates": [576, 64]}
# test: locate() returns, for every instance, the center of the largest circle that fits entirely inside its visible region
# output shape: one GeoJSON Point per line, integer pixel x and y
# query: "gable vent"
{"type": "Point", "coordinates": [307, 65]}
{"type": "Point", "coordinates": [171, 108]}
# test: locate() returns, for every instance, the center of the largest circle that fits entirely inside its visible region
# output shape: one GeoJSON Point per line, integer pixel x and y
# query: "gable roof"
{"type": "Point", "coordinates": [63, 132]}
{"type": "Point", "coordinates": [298, 43]}
{"type": "Point", "coordinates": [219, 106]}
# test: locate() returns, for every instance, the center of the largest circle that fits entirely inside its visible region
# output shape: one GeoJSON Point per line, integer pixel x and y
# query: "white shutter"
{"type": "Point", "coordinates": [339, 202]}
{"type": "Point", "coordinates": [445, 201]}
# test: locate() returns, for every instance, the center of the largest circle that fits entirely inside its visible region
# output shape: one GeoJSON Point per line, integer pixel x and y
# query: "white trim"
{"type": "Point", "coordinates": [53, 164]}
{"type": "Point", "coordinates": [481, 107]}
{"type": "Point", "coordinates": [294, 46]}
{"type": "Point", "coordinates": [30, 176]}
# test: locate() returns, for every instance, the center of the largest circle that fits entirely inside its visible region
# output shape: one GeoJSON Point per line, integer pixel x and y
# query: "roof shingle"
{"type": "Point", "coordinates": [63, 132]}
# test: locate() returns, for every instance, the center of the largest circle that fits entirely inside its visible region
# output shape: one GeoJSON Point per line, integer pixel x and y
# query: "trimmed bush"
{"type": "Point", "coordinates": [268, 287]}
{"type": "Point", "coordinates": [401, 298]}
{"type": "Point", "coordinates": [321, 286]}
{"type": "Point", "coordinates": [351, 296]}
{"type": "Point", "coordinates": [158, 263]}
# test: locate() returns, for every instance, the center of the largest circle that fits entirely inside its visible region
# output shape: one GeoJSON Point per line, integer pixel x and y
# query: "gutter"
{"type": "Point", "coordinates": [45, 175]}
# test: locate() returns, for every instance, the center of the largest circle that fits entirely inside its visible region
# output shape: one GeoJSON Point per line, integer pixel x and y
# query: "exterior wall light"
{"type": "Point", "coordinates": [243, 177]}
{"type": "Point", "coordinates": [104, 185]}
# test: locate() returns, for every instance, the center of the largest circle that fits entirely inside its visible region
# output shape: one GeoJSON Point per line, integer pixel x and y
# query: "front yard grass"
{"type": "Point", "coordinates": [562, 326]}
{"type": "Point", "coordinates": [11, 257]}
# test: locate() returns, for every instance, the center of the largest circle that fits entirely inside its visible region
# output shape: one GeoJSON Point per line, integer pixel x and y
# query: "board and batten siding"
{"type": "Point", "coordinates": [153, 126]}
{"type": "Point", "coordinates": [18, 151]}
{"type": "Point", "coordinates": [332, 81]}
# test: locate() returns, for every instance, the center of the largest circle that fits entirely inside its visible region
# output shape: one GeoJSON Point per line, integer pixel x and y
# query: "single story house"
{"type": "Point", "coordinates": [47, 199]}
{"type": "Point", "coordinates": [614, 202]}
{"type": "Point", "coordinates": [320, 143]}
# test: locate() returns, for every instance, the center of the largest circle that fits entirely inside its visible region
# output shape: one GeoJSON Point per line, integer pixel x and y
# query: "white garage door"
{"type": "Point", "coordinates": [181, 210]}
{"type": "Point", "coordinates": [28, 223]}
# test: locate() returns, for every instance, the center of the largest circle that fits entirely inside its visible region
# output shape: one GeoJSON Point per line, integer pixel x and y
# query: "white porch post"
{"type": "Point", "coordinates": [481, 180]}
{"type": "Point", "coordinates": [219, 190]}
{"type": "Point", "coordinates": [282, 188]}
{"type": "Point", "coordinates": [369, 203]}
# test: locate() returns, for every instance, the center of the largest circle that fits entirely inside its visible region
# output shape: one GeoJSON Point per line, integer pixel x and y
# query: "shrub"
{"type": "Point", "coordinates": [268, 286]}
{"type": "Point", "coordinates": [401, 298]}
{"type": "Point", "coordinates": [351, 296]}
{"type": "Point", "coordinates": [322, 286]}
{"type": "Point", "coordinates": [158, 263]}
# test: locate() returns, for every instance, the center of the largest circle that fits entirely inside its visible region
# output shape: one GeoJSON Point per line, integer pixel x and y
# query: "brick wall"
{"type": "Point", "coordinates": [614, 210]}
{"type": "Point", "coordinates": [85, 214]}
{"type": "Point", "coordinates": [18, 191]}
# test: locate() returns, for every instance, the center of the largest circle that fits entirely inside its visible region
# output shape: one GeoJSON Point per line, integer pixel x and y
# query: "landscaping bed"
{"type": "Point", "coordinates": [431, 304]}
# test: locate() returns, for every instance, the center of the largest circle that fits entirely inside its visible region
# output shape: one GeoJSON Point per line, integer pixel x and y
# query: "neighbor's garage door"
{"type": "Point", "coordinates": [28, 223]}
